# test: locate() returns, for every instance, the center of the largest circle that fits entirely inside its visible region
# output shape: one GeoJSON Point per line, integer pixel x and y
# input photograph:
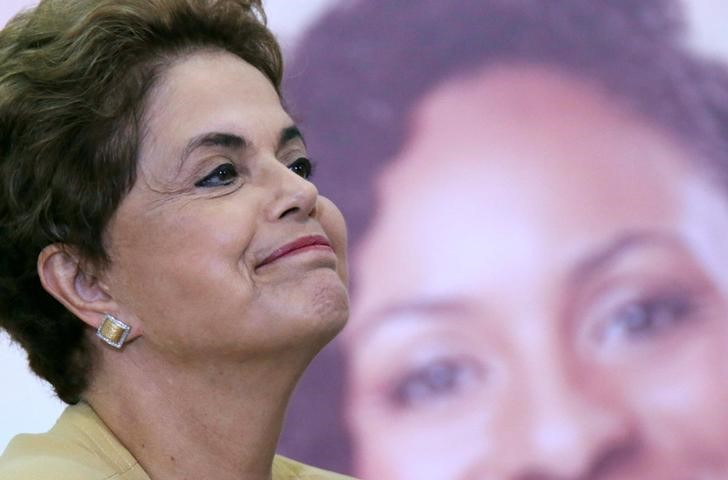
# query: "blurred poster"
{"type": "Point", "coordinates": [537, 198]}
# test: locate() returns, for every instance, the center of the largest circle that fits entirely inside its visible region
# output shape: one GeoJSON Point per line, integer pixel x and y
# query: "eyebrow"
{"type": "Point", "coordinates": [289, 134]}
{"type": "Point", "coordinates": [584, 269]}
{"type": "Point", "coordinates": [233, 142]}
{"type": "Point", "coordinates": [424, 307]}
{"type": "Point", "coordinates": [228, 141]}
{"type": "Point", "coordinates": [615, 248]}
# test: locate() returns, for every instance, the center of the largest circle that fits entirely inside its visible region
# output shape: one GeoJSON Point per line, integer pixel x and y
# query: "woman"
{"type": "Point", "coordinates": [541, 291]}
{"type": "Point", "coordinates": [166, 261]}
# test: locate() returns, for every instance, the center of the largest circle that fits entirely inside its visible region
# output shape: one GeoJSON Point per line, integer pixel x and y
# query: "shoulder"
{"type": "Point", "coordinates": [43, 457]}
{"type": "Point", "coordinates": [48, 457]}
{"type": "Point", "coordinates": [287, 469]}
{"type": "Point", "coordinates": [77, 448]}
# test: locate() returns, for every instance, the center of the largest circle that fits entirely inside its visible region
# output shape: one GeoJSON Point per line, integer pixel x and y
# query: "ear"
{"type": "Point", "coordinates": [80, 291]}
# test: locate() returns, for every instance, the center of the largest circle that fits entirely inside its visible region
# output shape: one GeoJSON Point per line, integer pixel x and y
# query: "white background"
{"type": "Point", "coordinates": [28, 405]}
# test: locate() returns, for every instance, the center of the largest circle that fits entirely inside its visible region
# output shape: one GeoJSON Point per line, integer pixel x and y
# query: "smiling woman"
{"type": "Point", "coordinates": [166, 261]}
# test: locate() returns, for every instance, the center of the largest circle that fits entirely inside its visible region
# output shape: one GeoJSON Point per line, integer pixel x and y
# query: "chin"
{"type": "Point", "coordinates": [315, 311]}
{"type": "Point", "coordinates": [329, 310]}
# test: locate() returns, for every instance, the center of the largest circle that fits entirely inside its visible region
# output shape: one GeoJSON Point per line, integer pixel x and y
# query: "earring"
{"type": "Point", "coordinates": [113, 331]}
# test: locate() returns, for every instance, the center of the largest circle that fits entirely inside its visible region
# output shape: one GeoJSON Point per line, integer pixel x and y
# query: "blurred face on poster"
{"type": "Point", "coordinates": [542, 293]}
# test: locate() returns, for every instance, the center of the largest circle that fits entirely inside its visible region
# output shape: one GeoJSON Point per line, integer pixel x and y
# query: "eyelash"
{"type": "Point", "coordinates": [434, 382]}
{"type": "Point", "coordinates": [305, 166]}
{"type": "Point", "coordinates": [226, 173]}
{"type": "Point", "coordinates": [648, 317]}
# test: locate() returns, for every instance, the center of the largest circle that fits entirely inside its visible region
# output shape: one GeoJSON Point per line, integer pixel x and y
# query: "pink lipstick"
{"type": "Point", "coordinates": [297, 246]}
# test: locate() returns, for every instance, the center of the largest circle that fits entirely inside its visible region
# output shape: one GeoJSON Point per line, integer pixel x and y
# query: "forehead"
{"type": "Point", "coordinates": [512, 174]}
{"type": "Point", "coordinates": [212, 91]}
{"type": "Point", "coordinates": [521, 111]}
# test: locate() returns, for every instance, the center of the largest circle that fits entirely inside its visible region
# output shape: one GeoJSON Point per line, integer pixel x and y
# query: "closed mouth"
{"type": "Point", "coordinates": [303, 243]}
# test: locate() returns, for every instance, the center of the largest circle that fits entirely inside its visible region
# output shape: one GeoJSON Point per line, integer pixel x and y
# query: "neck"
{"type": "Point", "coordinates": [197, 420]}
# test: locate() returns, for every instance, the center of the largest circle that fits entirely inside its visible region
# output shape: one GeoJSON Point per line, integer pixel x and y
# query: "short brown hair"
{"type": "Point", "coordinates": [74, 75]}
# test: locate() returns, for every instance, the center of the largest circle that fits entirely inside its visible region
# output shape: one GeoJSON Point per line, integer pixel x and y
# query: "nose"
{"type": "Point", "coordinates": [567, 434]}
{"type": "Point", "coordinates": [294, 197]}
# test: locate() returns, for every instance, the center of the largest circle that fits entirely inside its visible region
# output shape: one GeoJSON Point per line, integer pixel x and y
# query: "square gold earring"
{"type": "Point", "coordinates": [113, 331]}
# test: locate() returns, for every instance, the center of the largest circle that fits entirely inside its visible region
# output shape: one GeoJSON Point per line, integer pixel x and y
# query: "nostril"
{"type": "Point", "coordinates": [580, 446]}
{"type": "Point", "coordinates": [294, 198]}
{"type": "Point", "coordinates": [290, 211]}
{"type": "Point", "coordinates": [611, 460]}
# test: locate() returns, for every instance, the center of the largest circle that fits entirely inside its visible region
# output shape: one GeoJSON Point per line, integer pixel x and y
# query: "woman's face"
{"type": "Point", "coordinates": [541, 295]}
{"type": "Point", "coordinates": [195, 246]}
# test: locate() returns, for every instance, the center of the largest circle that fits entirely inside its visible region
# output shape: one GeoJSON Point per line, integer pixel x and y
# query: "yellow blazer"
{"type": "Point", "coordinates": [81, 447]}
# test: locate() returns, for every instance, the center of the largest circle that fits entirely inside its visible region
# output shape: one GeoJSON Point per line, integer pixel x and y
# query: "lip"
{"type": "Point", "coordinates": [296, 246]}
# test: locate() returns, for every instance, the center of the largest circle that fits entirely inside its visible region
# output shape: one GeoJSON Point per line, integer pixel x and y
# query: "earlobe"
{"type": "Point", "coordinates": [61, 274]}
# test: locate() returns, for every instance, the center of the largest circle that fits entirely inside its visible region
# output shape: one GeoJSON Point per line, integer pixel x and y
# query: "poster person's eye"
{"type": "Point", "coordinates": [435, 381]}
{"type": "Point", "coordinates": [648, 317]}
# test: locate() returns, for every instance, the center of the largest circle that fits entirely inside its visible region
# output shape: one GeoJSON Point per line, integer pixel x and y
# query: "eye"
{"type": "Point", "coordinates": [649, 317]}
{"type": "Point", "coordinates": [435, 381]}
{"type": "Point", "coordinates": [302, 167]}
{"type": "Point", "coordinates": [223, 174]}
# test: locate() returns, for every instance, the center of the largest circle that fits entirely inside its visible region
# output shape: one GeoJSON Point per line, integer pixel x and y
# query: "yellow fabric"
{"type": "Point", "coordinates": [81, 447]}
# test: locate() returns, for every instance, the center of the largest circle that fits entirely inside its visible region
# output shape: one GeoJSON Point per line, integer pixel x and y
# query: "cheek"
{"type": "Point", "coordinates": [428, 450]}
{"type": "Point", "coordinates": [334, 225]}
{"type": "Point", "coordinates": [165, 261]}
{"type": "Point", "coordinates": [423, 449]}
{"type": "Point", "coordinates": [681, 400]}
{"type": "Point", "coordinates": [402, 443]}
{"type": "Point", "coordinates": [184, 232]}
